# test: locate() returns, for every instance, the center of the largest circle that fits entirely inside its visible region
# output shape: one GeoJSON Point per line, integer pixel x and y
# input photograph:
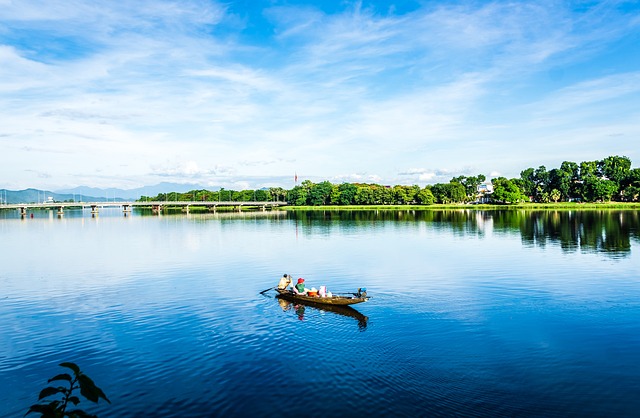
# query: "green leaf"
{"type": "Point", "coordinates": [45, 410]}
{"type": "Point", "coordinates": [79, 413]}
{"type": "Point", "coordinates": [63, 376]}
{"type": "Point", "coordinates": [50, 391]}
{"type": "Point", "coordinates": [89, 390]}
{"type": "Point", "coordinates": [71, 366]}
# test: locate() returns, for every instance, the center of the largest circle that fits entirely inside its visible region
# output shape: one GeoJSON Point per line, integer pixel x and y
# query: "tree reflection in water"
{"type": "Point", "coordinates": [606, 231]}
{"type": "Point", "coordinates": [603, 231]}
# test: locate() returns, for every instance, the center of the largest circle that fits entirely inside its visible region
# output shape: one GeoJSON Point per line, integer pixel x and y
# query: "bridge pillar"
{"type": "Point", "coordinates": [94, 209]}
{"type": "Point", "coordinates": [212, 208]}
{"type": "Point", "coordinates": [126, 209]}
{"type": "Point", "coordinates": [23, 212]}
{"type": "Point", "coordinates": [156, 209]}
{"type": "Point", "coordinates": [60, 211]}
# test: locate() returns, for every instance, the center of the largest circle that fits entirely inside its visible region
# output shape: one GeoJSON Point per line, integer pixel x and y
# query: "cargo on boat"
{"type": "Point", "coordinates": [339, 300]}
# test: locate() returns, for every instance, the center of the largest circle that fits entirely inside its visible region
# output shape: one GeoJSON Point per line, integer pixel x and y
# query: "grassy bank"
{"type": "Point", "coordinates": [536, 206]}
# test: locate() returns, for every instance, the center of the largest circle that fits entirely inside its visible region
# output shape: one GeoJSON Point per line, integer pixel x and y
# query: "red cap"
{"type": "Point", "coordinates": [300, 280]}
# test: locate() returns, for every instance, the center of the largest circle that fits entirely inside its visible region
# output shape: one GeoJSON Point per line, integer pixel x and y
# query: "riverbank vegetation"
{"type": "Point", "coordinates": [590, 182]}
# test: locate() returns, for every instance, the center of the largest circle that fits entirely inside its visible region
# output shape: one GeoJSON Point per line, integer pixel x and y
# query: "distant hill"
{"type": "Point", "coordinates": [94, 194]}
{"type": "Point", "coordinates": [39, 196]}
{"type": "Point", "coordinates": [133, 194]}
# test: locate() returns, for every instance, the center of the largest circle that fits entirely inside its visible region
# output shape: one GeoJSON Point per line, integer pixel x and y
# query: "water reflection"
{"type": "Point", "coordinates": [299, 310]}
{"type": "Point", "coordinates": [604, 231]}
{"type": "Point", "coordinates": [595, 231]}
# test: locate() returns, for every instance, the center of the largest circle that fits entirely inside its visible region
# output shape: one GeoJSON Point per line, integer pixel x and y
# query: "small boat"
{"type": "Point", "coordinates": [336, 300]}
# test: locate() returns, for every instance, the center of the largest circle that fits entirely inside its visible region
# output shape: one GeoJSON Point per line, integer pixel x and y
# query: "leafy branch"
{"type": "Point", "coordinates": [57, 407]}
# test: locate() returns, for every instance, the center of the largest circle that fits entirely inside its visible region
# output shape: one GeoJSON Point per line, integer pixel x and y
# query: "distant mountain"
{"type": "Point", "coordinates": [39, 196]}
{"type": "Point", "coordinates": [94, 194]}
{"type": "Point", "coordinates": [133, 194]}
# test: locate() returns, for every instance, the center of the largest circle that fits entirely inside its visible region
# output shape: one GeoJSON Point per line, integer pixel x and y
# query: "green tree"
{"type": "Point", "coordinates": [297, 196]}
{"type": "Point", "coordinates": [631, 186]}
{"type": "Point", "coordinates": [507, 191]}
{"type": "Point", "coordinates": [425, 197]}
{"type": "Point", "coordinates": [573, 170]}
{"type": "Point", "coordinates": [615, 168]}
{"type": "Point", "coordinates": [320, 193]}
{"type": "Point", "coordinates": [588, 169]}
{"type": "Point", "coordinates": [262, 195]}
{"type": "Point", "coordinates": [604, 189]}
{"type": "Point", "coordinates": [540, 183]}
{"type": "Point", "coordinates": [278, 193]}
{"type": "Point", "coordinates": [399, 195]}
{"type": "Point", "coordinates": [471, 185]}
{"type": "Point", "coordinates": [560, 181]}
{"type": "Point", "coordinates": [347, 193]}
{"type": "Point", "coordinates": [597, 189]}
{"type": "Point", "coordinates": [378, 194]}
{"type": "Point", "coordinates": [387, 195]}
{"type": "Point", "coordinates": [411, 193]}
{"type": "Point", "coordinates": [364, 195]}
{"type": "Point", "coordinates": [457, 192]}
{"type": "Point", "coordinates": [528, 182]}
{"type": "Point", "coordinates": [631, 193]}
{"type": "Point", "coordinates": [555, 195]}
{"type": "Point", "coordinates": [334, 197]}
{"type": "Point", "coordinates": [449, 192]}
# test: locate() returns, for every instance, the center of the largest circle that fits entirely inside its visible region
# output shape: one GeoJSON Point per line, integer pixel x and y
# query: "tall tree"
{"type": "Point", "coordinates": [507, 191]}
{"type": "Point", "coordinates": [541, 177]}
{"type": "Point", "coordinates": [364, 195]}
{"type": "Point", "coordinates": [470, 184]}
{"type": "Point", "coordinates": [425, 197]}
{"type": "Point", "coordinates": [573, 170]}
{"type": "Point", "coordinates": [615, 168]}
{"type": "Point", "coordinates": [319, 194]}
{"type": "Point", "coordinates": [631, 186]}
{"type": "Point", "coordinates": [298, 196]}
{"type": "Point", "coordinates": [347, 193]}
{"type": "Point", "coordinates": [528, 182]}
{"type": "Point", "coordinates": [278, 193]}
{"type": "Point", "coordinates": [589, 168]}
{"type": "Point", "coordinates": [560, 181]}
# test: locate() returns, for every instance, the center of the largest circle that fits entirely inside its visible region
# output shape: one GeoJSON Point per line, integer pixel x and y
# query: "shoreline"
{"type": "Point", "coordinates": [537, 206]}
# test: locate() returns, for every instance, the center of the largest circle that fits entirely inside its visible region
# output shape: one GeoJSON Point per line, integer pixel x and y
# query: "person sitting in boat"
{"type": "Point", "coordinates": [299, 288]}
{"type": "Point", "coordinates": [285, 282]}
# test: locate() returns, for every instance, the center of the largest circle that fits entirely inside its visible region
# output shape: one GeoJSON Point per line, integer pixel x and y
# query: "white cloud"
{"type": "Point", "coordinates": [360, 90]}
{"type": "Point", "coordinates": [426, 177]}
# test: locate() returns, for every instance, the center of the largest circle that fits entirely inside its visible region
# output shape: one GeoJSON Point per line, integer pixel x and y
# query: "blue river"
{"type": "Point", "coordinates": [473, 313]}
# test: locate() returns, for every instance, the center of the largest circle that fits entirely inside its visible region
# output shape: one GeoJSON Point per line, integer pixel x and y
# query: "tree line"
{"type": "Point", "coordinates": [590, 181]}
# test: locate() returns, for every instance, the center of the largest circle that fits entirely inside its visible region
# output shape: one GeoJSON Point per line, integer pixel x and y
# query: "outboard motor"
{"type": "Point", "coordinates": [362, 292]}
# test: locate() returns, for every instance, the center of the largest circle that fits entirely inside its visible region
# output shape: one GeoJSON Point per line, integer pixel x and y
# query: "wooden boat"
{"type": "Point", "coordinates": [335, 300]}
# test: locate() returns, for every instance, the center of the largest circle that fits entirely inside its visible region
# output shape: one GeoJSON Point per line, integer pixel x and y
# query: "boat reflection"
{"type": "Point", "coordinates": [299, 309]}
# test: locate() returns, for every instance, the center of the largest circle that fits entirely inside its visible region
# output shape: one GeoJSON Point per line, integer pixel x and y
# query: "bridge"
{"type": "Point", "coordinates": [156, 206]}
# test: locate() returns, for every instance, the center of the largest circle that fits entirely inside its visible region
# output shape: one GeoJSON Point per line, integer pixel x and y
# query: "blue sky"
{"type": "Point", "coordinates": [243, 94]}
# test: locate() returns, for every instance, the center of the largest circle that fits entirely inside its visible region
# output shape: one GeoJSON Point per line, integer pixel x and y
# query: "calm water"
{"type": "Point", "coordinates": [504, 313]}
